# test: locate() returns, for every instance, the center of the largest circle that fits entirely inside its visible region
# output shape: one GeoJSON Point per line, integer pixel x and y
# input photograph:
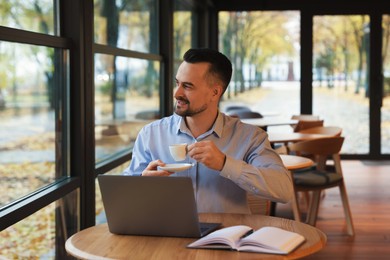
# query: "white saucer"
{"type": "Point", "coordinates": [176, 167]}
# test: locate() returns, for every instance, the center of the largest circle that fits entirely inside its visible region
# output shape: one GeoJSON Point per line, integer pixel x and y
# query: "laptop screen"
{"type": "Point", "coordinates": [157, 206]}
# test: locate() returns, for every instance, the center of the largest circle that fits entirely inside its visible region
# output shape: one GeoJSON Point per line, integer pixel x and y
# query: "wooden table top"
{"type": "Point", "coordinates": [292, 137]}
{"type": "Point", "coordinates": [294, 162]}
{"type": "Point", "coordinates": [269, 121]}
{"type": "Point", "coordinates": [98, 243]}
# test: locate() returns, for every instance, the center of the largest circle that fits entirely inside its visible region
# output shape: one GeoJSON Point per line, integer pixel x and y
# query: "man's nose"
{"type": "Point", "coordinates": [177, 90]}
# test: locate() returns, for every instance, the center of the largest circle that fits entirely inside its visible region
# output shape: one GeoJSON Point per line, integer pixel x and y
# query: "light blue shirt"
{"type": "Point", "coordinates": [251, 164]}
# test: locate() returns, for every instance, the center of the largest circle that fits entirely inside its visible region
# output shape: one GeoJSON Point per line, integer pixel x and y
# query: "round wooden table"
{"type": "Point", "coordinates": [264, 123]}
{"type": "Point", "coordinates": [98, 243]}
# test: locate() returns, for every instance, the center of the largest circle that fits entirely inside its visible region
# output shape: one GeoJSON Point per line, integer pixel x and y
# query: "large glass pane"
{"type": "Point", "coordinates": [129, 25]}
{"type": "Point", "coordinates": [340, 79]}
{"type": "Point", "coordinates": [126, 98]}
{"type": "Point", "coordinates": [31, 119]}
{"type": "Point", "coordinates": [182, 36]}
{"type": "Point", "coordinates": [38, 16]}
{"type": "Point", "coordinates": [385, 110]}
{"type": "Point", "coordinates": [41, 235]}
{"type": "Point", "coordinates": [264, 48]}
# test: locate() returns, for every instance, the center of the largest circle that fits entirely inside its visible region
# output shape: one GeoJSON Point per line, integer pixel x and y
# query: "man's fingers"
{"type": "Point", "coordinates": [156, 173]}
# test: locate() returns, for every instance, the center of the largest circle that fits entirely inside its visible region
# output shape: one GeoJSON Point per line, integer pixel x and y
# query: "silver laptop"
{"type": "Point", "coordinates": [154, 206]}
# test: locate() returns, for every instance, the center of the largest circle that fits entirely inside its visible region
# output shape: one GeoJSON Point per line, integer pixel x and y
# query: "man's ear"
{"type": "Point", "coordinates": [217, 90]}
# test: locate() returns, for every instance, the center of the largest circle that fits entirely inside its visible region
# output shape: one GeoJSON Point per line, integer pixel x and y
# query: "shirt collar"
{"type": "Point", "coordinates": [218, 125]}
{"type": "Point", "coordinates": [217, 128]}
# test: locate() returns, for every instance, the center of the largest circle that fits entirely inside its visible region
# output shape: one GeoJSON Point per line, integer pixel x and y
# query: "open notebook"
{"type": "Point", "coordinates": [155, 206]}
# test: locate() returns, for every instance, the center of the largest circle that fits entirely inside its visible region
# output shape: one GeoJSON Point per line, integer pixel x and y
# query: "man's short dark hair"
{"type": "Point", "coordinates": [220, 66]}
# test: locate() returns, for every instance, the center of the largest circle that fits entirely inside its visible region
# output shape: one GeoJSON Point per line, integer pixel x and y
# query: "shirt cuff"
{"type": "Point", "coordinates": [232, 169]}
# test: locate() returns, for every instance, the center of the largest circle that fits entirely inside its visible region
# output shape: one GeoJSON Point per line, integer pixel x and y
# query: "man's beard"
{"type": "Point", "coordinates": [189, 112]}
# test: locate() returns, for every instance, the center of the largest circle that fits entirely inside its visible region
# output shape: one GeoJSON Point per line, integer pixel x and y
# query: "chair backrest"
{"type": "Point", "coordinates": [303, 124]}
{"type": "Point", "coordinates": [324, 130]}
{"type": "Point", "coordinates": [320, 149]}
{"type": "Point", "coordinates": [245, 114]}
{"type": "Point", "coordinates": [306, 117]}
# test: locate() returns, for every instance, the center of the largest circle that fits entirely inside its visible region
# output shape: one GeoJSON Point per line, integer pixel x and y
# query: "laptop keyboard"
{"type": "Point", "coordinates": [206, 227]}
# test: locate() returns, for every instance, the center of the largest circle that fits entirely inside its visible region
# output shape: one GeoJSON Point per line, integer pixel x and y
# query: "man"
{"type": "Point", "coordinates": [230, 158]}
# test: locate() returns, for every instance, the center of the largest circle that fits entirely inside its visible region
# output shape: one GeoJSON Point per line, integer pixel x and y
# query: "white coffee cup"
{"type": "Point", "coordinates": [178, 151]}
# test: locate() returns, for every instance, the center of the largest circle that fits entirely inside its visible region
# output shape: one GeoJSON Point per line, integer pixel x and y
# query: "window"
{"type": "Point", "coordinates": [37, 236]}
{"type": "Point", "coordinates": [264, 49]}
{"type": "Point", "coordinates": [182, 35]}
{"type": "Point", "coordinates": [78, 80]}
{"type": "Point", "coordinates": [125, 100]}
{"type": "Point", "coordinates": [340, 79]}
{"type": "Point", "coordinates": [127, 74]}
{"type": "Point", "coordinates": [38, 16]}
{"type": "Point", "coordinates": [32, 100]}
{"type": "Point", "coordinates": [385, 109]}
{"type": "Point", "coordinates": [130, 25]}
{"type": "Point", "coordinates": [33, 103]}
{"type": "Point", "coordinates": [34, 119]}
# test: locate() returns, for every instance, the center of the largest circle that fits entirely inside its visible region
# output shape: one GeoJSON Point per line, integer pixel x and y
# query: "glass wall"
{"type": "Point", "coordinates": [264, 48]}
{"type": "Point", "coordinates": [127, 84]}
{"type": "Point", "coordinates": [125, 100]}
{"type": "Point", "coordinates": [182, 35]}
{"type": "Point", "coordinates": [33, 104]}
{"type": "Point", "coordinates": [340, 77]}
{"type": "Point", "coordinates": [30, 116]}
{"type": "Point", "coordinates": [37, 237]}
{"type": "Point", "coordinates": [34, 120]}
{"type": "Point", "coordinates": [385, 109]}
{"type": "Point", "coordinates": [127, 25]}
{"type": "Point", "coordinates": [112, 69]}
{"type": "Point", "coordinates": [37, 16]}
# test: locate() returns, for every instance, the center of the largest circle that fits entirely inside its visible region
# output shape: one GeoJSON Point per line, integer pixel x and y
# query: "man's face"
{"type": "Point", "coordinates": [194, 92]}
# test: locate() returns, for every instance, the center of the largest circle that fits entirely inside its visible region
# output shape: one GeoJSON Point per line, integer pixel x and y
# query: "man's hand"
{"type": "Point", "coordinates": [207, 152]}
{"type": "Point", "coordinates": [151, 169]}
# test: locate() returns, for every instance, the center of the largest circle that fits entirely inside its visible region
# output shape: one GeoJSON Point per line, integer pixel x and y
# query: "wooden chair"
{"type": "Point", "coordinates": [281, 149]}
{"type": "Point", "coordinates": [323, 130]}
{"type": "Point", "coordinates": [327, 131]}
{"type": "Point", "coordinates": [306, 117]}
{"type": "Point", "coordinates": [306, 121]}
{"type": "Point", "coordinates": [320, 178]}
{"type": "Point", "coordinates": [304, 124]}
